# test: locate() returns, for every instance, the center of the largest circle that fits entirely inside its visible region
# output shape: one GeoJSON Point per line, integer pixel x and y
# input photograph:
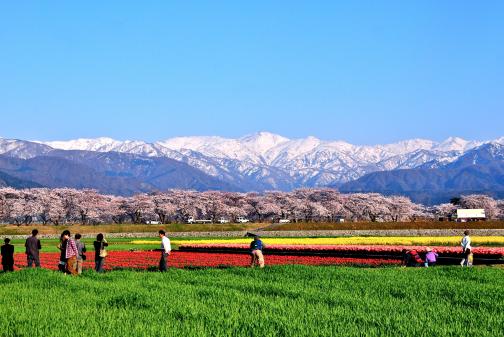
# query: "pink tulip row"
{"type": "Point", "coordinates": [358, 249]}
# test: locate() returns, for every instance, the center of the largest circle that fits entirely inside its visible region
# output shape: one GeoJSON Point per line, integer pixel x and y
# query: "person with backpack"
{"type": "Point", "coordinates": [100, 252]}
{"type": "Point", "coordinates": [7, 252]}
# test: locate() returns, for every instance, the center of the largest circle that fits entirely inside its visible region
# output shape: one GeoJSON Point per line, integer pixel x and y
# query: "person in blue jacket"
{"type": "Point", "coordinates": [256, 250]}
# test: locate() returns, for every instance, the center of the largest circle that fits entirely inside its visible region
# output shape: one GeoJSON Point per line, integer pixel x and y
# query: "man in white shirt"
{"type": "Point", "coordinates": [165, 251]}
{"type": "Point", "coordinates": [466, 250]}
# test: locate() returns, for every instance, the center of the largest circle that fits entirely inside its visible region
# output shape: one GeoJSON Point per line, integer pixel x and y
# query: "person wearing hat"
{"type": "Point", "coordinates": [430, 257]}
{"type": "Point", "coordinates": [256, 250]}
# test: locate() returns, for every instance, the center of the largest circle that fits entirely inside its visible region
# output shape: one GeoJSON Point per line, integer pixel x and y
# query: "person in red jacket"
{"type": "Point", "coordinates": [411, 258]}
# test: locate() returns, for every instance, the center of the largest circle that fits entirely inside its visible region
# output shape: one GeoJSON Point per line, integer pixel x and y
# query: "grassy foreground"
{"type": "Point", "coordinates": [276, 301]}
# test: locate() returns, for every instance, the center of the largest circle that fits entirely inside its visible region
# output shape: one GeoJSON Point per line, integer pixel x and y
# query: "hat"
{"type": "Point", "coordinates": [428, 249]}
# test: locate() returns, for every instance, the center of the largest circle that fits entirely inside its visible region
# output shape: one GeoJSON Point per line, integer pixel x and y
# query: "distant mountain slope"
{"type": "Point", "coordinates": [112, 173]}
{"type": "Point", "coordinates": [159, 172]}
{"type": "Point", "coordinates": [7, 180]}
{"type": "Point", "coordinates": [480, 170]}
{"type": "Point", "coordinates": [22, 149]}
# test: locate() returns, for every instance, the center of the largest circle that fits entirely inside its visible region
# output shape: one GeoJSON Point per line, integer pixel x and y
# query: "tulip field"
{"type": "Point", "coordinates": [353, 240]}
{"type": "Point", "coordinates": [179, 259]}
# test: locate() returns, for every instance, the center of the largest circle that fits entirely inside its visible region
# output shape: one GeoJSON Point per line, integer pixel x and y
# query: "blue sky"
{"type": "Point", "coordinates": [363, 72]}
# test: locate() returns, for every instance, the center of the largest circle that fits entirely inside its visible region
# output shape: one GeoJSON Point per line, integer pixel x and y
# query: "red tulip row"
{"type": "Point", "coordinates": [358, 249]}
{"type": "Point", "coordinates": [178, 259]}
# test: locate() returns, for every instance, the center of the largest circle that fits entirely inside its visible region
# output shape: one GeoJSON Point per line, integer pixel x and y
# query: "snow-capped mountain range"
{"type": "Point", "coordinates": [265, 161]}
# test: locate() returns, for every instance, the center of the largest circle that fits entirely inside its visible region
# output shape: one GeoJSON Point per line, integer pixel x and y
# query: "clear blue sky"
{"type": "Point", "coordinates": [359, 71]}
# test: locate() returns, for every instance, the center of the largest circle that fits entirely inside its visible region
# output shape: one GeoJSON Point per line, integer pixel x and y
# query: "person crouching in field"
{"type": "Point", "coordinates": [81, 249]}
{"type": "Point", "coordinates": [411, 258]}
{"type": "Point", "coordinates": [71, 253]}
{"type": "Point", "coordinates": [430, 257]}
{"type": "Point", "coordinates": [256, 250]}
{"type": "Point", "coordinates": [100, 252]}
{"type": "Point", "coordinates": [165, 251]}
{"type": "Point", "coordinates": [7, 256]}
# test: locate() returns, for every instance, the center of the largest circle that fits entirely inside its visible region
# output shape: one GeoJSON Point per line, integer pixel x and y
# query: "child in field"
{"type": "Point", "coordinates": [256, 250]}
{"type": "Point", "coordinates": [430, 257]}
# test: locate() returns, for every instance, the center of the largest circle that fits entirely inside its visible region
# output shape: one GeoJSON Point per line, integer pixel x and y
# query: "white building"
{"type": "Point", "coordinates": [464, 215]}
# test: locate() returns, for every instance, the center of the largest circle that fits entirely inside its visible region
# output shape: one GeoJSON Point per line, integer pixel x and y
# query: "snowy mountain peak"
{"type": "Point", "coordinates": [406, 146]}
{"type": "Point", "coordinates": [262, 142]}
{"type": "Point", "coordinates": [499, 141]}
{"type": "Point", "coordinates": [456, 144]}
{"type": "Point", "coordinates": [102, 144]}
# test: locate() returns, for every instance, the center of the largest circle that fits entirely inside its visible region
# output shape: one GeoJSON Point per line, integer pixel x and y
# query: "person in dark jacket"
{"type": "Point", "coordinates": [100, 252]}
{"type": "Point", "coordinates": [33, 247]}
{"type": "Point", "coordinates": [7, 256]}
{"type": "Point", "coordinates": [62, 260]}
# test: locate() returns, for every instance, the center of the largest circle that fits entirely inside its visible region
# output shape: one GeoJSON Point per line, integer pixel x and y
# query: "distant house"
{"type": "Point", "coordinates": [464, 215]}
{"type": "Point", "coordinates": [339, 218]}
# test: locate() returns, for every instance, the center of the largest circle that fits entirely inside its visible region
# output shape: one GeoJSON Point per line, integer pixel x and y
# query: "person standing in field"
{"type": "Point", "coordinates": [62, 260]}
{"type": "Point", "coordinates": [33, 247]}
{"type": "Point", "coordinates": [81, 249]}
{"type": "Point", "coordinates": [7, 252]}
{"type": "Point", "coordinates": [71, 253]}
{"type": "Point", "coordinates": [256, 250]}
{"type": "Point", "coordinates": [165, 251]}
{"type": "Point", "coordinates": [100, 252]}
{"type": "Point", "coordinates": [430, 257]}
{"type": "Point", "coordinates": [466, 250]}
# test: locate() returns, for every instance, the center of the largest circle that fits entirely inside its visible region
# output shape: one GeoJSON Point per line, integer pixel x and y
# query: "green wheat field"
{"type": "Point", "coordinates": [276, 301]}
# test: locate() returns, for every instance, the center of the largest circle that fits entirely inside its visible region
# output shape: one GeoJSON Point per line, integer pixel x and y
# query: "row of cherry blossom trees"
{"type": "Point", "coordinates": [65, 205]}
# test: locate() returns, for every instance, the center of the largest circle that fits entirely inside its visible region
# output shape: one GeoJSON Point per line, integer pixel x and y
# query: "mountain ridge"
{"type": "Point", "coordinates": [266, 161]}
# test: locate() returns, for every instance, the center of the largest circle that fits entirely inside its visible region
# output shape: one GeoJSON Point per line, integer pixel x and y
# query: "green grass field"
{"type": "Point", "coordinates": [276, 301]}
